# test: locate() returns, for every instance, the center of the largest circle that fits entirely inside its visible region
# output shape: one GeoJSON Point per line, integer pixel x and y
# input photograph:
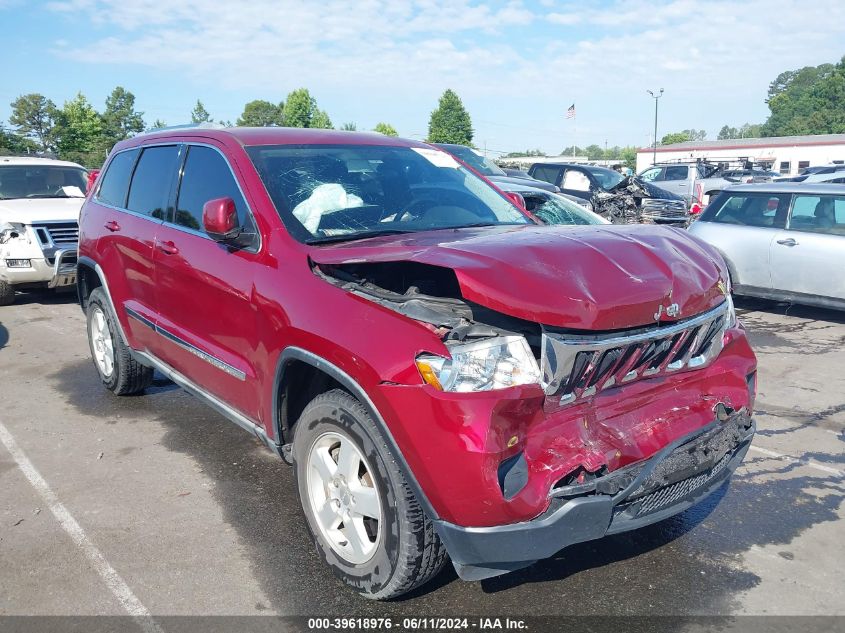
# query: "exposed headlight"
{"type": "Point", "coordinates": [495, 363]}
{"type": "Point", "coordinates": [18, 263]}
{"type": "Point", "coordinates": [730, 315]}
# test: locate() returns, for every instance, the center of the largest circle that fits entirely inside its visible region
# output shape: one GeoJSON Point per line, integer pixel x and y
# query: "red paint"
{"type": "Point", "coordinates": [245, 308]}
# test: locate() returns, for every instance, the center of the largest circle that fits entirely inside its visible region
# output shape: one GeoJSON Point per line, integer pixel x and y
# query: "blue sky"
{"type": "Point", "coordinates": [517, 65]}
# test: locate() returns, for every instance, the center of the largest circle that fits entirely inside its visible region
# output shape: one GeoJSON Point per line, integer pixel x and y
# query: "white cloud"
{"type": "Point", "coordinates": [714, 59]}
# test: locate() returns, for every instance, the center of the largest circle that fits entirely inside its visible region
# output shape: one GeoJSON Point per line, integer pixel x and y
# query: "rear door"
{"type": "Point", "coordinates": [676, 179]}
{"type": "Point", "coordinates": [577, 182]}
{"type": "Point", "coordinates": [546, 173]}
{"type": "Point", "coordinates": [131, 198]}
{"type": "Point", "coordinates": [204, 289]}
{"type": "Point", "coordinates": [808, 257]}
{"type": "Point", "coordinates": [743, 225]}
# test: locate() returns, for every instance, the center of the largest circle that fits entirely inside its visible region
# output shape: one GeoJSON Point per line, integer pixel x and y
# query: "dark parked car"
{"type": "Point", "coordinates": [447, 378]}
{"type": "Point", "coordinates": [553, 208]}
{"type": "Point", "coordinates": [619, 198]}
{"type": "Point", "coordinates": [489, 169]}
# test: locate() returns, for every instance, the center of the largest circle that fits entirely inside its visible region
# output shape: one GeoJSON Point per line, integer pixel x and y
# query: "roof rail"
{"type": "Point", "coordinates": [205, 125]}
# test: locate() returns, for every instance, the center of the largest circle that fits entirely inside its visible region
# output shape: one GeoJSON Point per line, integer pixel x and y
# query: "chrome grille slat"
{"type": "Point", "coordinates": [59, 232]}
{"type": "Point", "coordinates": [576, 366]}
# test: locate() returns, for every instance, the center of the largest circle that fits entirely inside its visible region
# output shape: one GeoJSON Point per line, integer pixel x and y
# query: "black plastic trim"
{"type": "Point", "coordinates": [482, 552]}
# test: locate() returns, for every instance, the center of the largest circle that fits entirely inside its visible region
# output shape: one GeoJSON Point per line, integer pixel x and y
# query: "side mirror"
{"type": "Point", "coordinates": [220, 219]}
{"type": "Point", "coordinates": [517, 199]}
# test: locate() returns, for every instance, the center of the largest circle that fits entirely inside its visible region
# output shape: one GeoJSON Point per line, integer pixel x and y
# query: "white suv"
{"type": "Point", "coordinates": [40, 200]}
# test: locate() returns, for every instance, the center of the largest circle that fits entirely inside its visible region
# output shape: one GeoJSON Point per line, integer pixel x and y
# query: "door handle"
{"type": "Point", "coordinates": [788, 242]}
{"type": "Point", "coordinates": [112, 226]}
{"type": "Point", "coordinates": [168, 248]}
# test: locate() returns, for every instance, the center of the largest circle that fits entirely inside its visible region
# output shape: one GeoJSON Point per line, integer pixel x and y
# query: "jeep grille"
{"type": "Point", "coordinates": [577, 366]}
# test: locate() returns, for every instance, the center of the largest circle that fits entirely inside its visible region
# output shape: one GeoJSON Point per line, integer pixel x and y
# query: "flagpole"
{"type": "Point", "coordinates": [574, 131]}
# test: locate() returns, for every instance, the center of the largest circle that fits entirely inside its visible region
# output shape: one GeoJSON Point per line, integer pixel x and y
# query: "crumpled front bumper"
{"type": "Point", "coordinates": [676, 478]}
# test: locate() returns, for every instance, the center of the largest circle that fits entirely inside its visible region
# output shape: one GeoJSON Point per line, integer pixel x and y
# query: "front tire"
{"type": "Point", "coordinates": [7, 293]}
{"type": "Point", "coordinates": [120, 372]}
{"type": "Point", "coordinates": [364, 518]}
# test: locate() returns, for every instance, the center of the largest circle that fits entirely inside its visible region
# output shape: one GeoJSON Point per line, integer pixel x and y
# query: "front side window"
{"type": "Point", "coordinates": [651, 175]}
{"type": "Point", "coordinates": [42, 181]}
{"type": "Point", "coordinates": [818, 214]}
{"type": "Point", "coordinates": [575, 180]}
{"type": "Point", "coordinates": [749, 209]}
{"type": "Point", "coordinates": [114, 184]}
{"type": "Point", "coordinates": [676, 172]}
{"type": "Point", "coordinates": [206, 176]}
{"type": "Point", "coordinates": [151, 181]}
{"type": "Point", "coordinates": [342, 192]}
{"type": "Point", "coordinates": [553, 209]}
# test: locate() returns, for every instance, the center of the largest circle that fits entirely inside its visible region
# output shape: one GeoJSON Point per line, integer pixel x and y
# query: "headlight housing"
{"type": "Point", "coordinates": [496, 363]}
{"type": "Point", "coordinates": [730, 315]}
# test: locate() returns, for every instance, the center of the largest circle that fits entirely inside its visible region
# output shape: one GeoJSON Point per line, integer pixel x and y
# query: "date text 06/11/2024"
{"type": "Point", "coordinates": [417, 624]}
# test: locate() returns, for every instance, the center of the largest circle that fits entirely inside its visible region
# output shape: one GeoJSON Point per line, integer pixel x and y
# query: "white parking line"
{"type": "Point", "coordinates": [807, 462]}
{"type": "Point", "coordinates": [113, 581]}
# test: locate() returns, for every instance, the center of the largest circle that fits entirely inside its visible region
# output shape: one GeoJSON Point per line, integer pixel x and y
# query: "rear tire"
{"type": "Point", "coordinates": [401, 550]}
{"type": "Point", "coordinates": [119, 371]}
{"type": "Point", "coordinates": [7, 293]}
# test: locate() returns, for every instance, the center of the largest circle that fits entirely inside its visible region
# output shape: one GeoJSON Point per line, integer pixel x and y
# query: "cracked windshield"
{"type": "Point", "coordinates": [350, 192]}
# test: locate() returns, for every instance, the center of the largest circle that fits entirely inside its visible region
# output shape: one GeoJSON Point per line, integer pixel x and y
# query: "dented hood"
{"type": "Point", "coordinates": [590, 277]}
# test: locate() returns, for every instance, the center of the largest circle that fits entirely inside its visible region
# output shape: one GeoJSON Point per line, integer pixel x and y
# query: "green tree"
{"type": "Point", "coordinates": [594, 151]}
{"type": "Point", "coordinates": [528, 152]}
{"type": "Point", "coordinates": [386, 129]}
{"type": "Point", "coordinates": [450, 122]}
{"type": "Point", "coordinates": [321, 121]}
{"type": "Point", "coordinates": [810, 100]}
{"type": "Point", "coordinates": [727, 132]}
{"type": "Point", "coordinates": [78, 132]}
{"type": "Point", "coordinates": [157, 124]}
{"type": "Point", "coordinates": [349, 127]}
{"type": "Point", "coordinates": [12, 143]}
{"type": "Point", "coordinates": [120, 119]}
{"type": "Point", "coordinates": [260, 113]}
{"type": "Point", "coordinates": [675, 137]}
{"type": "Point", "coordinates": [628, 156]}
{"type": "Point", "coordinates": [33, 116]}
{"type": "Point", "coordinates": [299, 108]}
{"type": "Point", "coordinates": [572, 151]}
{"type": "Point", "coordinates": [199, 114]}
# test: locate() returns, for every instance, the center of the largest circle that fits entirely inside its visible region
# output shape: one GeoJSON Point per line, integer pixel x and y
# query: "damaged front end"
{"type": "Point", "coordinates": [634, 201]}
{"type": "Point", "coordinates": [528, 437]}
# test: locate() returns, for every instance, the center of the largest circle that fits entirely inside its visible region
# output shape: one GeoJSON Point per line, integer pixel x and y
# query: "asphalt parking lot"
{"type": "Point", "coordinates": [156, 503]}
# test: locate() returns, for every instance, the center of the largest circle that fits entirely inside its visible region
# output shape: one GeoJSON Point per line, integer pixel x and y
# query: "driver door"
{"type": "Point", "coordinates": [576, 183]}
{"type": "Point", "coordinates": [205, 289]}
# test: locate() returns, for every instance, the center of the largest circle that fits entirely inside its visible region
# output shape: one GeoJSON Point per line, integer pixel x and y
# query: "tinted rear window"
{"type": "Point", "coordinates": [115, 183]}
{"type": "Point", "coordinates": [749, 209]}
{"type": "Point", "coordinates": [151, 180]}
{"type": "Point", "coordinates": [549, 174]}
{"type": "Point", "coordinates": [676, 172]}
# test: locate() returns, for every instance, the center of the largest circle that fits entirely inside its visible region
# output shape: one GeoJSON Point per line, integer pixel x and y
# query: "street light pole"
{"type": "Point", "coordinates": [655, 97]}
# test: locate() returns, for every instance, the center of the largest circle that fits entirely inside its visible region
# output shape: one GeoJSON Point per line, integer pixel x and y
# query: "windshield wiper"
{"type": "Point", "coordinates": [361, 235]}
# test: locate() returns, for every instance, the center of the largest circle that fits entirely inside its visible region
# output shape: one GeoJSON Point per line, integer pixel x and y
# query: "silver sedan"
{"type": "Point", "coordinates": [781, 240]}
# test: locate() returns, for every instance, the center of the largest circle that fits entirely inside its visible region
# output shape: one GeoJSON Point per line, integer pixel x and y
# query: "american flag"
{"type": "Point", "coordinates": [570, 112]}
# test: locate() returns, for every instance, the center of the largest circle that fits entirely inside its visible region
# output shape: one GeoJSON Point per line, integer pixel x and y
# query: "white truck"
{"type": "Point", "coordinates": [697, 181]}
{"type": "Point", "coordinates": [40, 200]}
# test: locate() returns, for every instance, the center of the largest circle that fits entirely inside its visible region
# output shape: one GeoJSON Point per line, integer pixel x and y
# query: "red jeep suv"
{"type": "Point", "coordinates": [447, 377]}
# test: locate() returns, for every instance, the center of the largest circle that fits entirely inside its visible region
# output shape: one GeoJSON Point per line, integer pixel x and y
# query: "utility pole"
{"type": "Point", "coordinates": [655, 97]}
